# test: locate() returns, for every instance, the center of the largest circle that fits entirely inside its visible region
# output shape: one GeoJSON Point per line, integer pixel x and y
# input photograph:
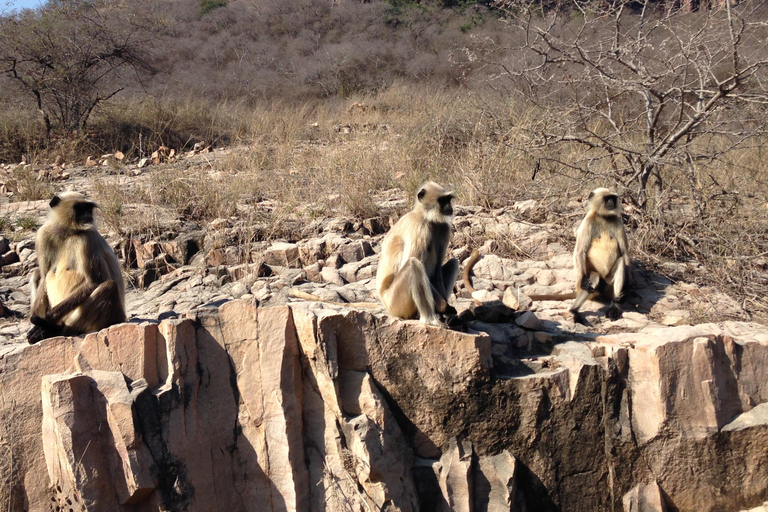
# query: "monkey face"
{"type": "Point", "coordinates": [73, 210]}
{"type": "Point", "coordinates": [435, 202]}
{"type": "Point", "coordinates": [445, 205]}
{"type": "Point", "coordinates": [84, 212]}
{"type": "Point", "coordinates": [604, 201]}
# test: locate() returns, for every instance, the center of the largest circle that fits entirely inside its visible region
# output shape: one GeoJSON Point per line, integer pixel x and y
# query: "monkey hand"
{"type": "Point", "coordinates": [614, 312]}
{"type": "Point", "coordinates": [586, 284]}
{"type": "Point", "coordinates": [581, 319]}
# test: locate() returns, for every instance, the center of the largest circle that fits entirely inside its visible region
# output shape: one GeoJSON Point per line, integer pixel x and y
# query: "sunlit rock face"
{"type": "Point", "coordinates": [311, 408]}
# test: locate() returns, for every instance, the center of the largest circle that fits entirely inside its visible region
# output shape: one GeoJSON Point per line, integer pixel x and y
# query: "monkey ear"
{"type": "Point", "coordinates": [421, 194]}
{"type": "Point", "coordinates": [56, 200]}
{"type": "Point", "coordinates": [591, 195]}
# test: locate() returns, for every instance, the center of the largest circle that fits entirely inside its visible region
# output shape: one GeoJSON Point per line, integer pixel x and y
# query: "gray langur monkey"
{"type": "Point", "coordinates": [412, 279]}
{"type": "Point", "coordinates": [602, 251]}
{"type": "Point", "coordinates": [78, 286]}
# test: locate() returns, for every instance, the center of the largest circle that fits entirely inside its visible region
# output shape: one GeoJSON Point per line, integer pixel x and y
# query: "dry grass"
{"type": "Point", "coordinates": [295, 164]}
{"type": "Point", "coordinates": [27, 184]}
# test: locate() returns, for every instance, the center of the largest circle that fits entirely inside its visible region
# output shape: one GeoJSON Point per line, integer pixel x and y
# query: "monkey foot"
{"type": "Point", "coordinates": [36, 334]}
{"type": "Point", "coordinates": [430, 321]}
{"type": "Point", "coordinates": [41, 330]}
{"type": "Point", "coordinates": [454, 323]}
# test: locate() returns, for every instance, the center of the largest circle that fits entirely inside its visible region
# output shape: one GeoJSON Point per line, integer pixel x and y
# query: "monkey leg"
{"type": "Point", "coordinates": [443, 286]}
{"type": "Point", "coordinates": [34, 283]}
{"type": "Point", "coordinates": [450, 272]}
{"type": "Point", "coordinates": [411, 293]}
{"type": "Point", "coordinates": [39, 296]}
{"type": "Point", "coordinates": [618, 275]}
{"type": "Point", "coordinates": [41, 328]}
{"type": "Point", "coordinates": [101, 309]}
{"type": "Point", "coordinates": [584, 290]}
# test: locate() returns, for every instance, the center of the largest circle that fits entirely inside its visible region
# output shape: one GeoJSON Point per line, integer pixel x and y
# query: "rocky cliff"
{"type": "Point", "coordinates": [315, 407]}
{"type": "Point", "coordinates": [204, 402]}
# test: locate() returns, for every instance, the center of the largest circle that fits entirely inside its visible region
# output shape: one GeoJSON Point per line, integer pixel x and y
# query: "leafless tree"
{"type": "Point", "coordinates": [71, 55]}
{"type": "Point", "coordinates": [639, 87]}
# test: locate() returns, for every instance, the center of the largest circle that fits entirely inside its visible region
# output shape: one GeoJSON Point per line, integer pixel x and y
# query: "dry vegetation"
{"type": "Point", "coordinates": [283, 94]}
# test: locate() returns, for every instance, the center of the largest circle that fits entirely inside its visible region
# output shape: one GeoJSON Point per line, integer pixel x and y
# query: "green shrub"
{"type": "Point", "coordinates": [207, 6]}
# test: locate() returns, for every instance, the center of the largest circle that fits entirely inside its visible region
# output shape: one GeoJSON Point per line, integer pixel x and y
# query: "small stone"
{"type": "Point", "coordinates": [677, 317]}
{"type": "Point", "coordinates": [8, 258]}
{"type": "Point", "coordinates": [262, 294]}
{"type": "Point", "coordinates": [283, 254]}
{"type": "Point", "coordinates": [332, 276]}
{"type": "Point", "coordinates": [516, 300]}
{"type": "Point", "coordinates": [238, 290]}
{"type": "Point", "coordinates": [334, 261]}
{"type": "Point", "coordinates": [528, 320]}
{"type": "Point", "coordinates": [485, 296]}
{"type": "Point", "coordinates": [546, 277]}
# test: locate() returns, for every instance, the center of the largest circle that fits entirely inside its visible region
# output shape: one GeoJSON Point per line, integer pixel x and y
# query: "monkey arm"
{"type": "Point", "coordinates": [440, 302]}
{"type": "Point", "coordinates": [582, 246]}
{"type": "Point", "coordinates": [580, 258]}
{"type": "Point", "coordinates": [77, 298]}
{"type": "Point", "coordinates": [624, 246]}
{"type": "Point", "coordinates": [92, 275]}
{"type": "Point", "coordinates": [437, 286]}
{"type": "Point", "coordinates": [40, 302]}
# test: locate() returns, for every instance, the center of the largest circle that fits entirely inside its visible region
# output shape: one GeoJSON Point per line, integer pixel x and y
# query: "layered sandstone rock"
{"type": "Point", "coordinates": [310, 407]}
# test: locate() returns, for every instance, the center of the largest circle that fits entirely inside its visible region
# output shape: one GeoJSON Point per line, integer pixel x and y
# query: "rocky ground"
{"type": "Point", "coordinates": [182, 266]}
{"type": "Point", "coordinates": [211, 399]}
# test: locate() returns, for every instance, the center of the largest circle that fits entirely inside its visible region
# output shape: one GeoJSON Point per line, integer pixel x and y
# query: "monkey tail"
{"type": "Point", "coordinates": [553, 296]}
{"type": "Point", "coordinates": [467, 269]}
{"type": "Point", "coordinates": [314, 298]}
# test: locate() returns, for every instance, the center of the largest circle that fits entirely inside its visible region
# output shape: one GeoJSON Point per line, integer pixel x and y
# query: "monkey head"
{"type": "Point", "coordinates": [435, 202]}
{"type": "Point", "coordinates": [73, 210]}
{"type": "Point", "coordinates": [605, 202]}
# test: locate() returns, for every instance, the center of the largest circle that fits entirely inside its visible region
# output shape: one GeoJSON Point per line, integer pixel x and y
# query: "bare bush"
{"type": "Point", "coordinates": [70, 56]}
{"type": "Point", "coordinates": [636, 91]}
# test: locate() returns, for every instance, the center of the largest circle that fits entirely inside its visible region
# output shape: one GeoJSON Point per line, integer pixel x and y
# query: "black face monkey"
{"type": "Point", "coordinates": [412, 279]}
{"type": "Point", "coordinates": [602, 251]}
